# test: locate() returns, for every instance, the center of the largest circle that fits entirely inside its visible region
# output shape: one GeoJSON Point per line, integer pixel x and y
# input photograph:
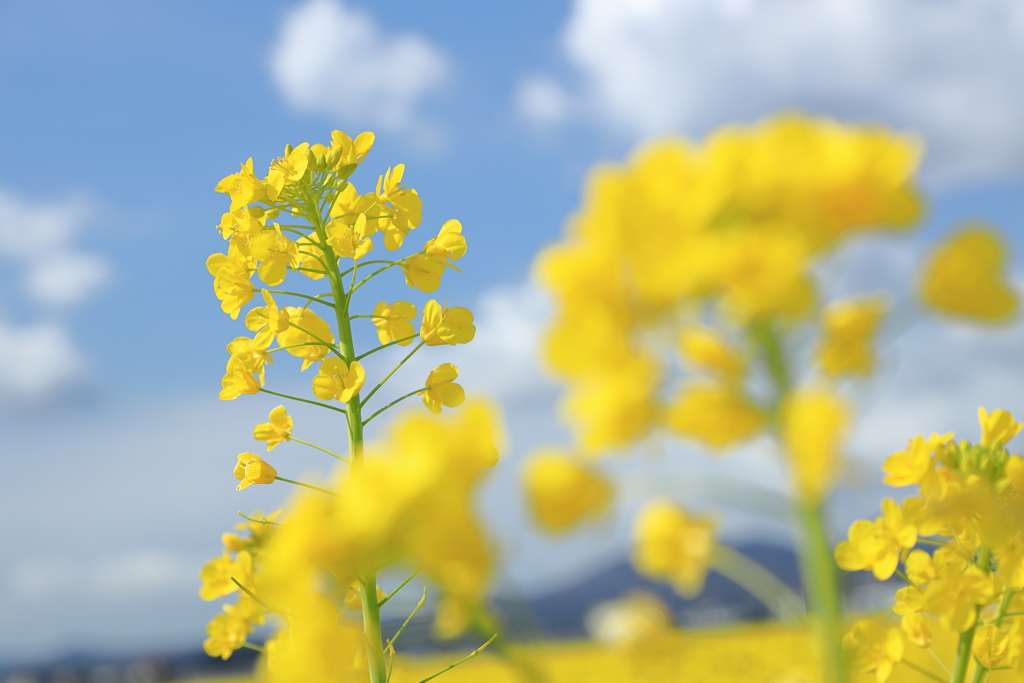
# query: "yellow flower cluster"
{"type": "Point", "coordinates": [736, 223]}
{"type": "Point", "coordinates": [970, 511]}
{"type": "Point", "coordinates": [224, 575]}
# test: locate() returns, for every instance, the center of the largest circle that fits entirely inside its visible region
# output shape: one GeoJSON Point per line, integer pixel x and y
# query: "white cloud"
{"type": "Point", "coordinates": [947, 69]}
{"type": "Point", "coordinates": [542, 101]}
{"type": "Point", "coordinates": [38, 238]}
{"type": "Point", "coordinates": [334, 59]}
{"type": "Point", "coordinates": [37, 360]}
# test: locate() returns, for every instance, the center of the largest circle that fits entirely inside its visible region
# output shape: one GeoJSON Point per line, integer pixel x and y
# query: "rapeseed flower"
{"type": "Point", "coordinates": [443, 325]}
{"type": "Point", "coordinates": [441, 389]}
{"type": "Point", "coordinates": [873, 647]}
{"type": "Point", "coordinates": [965, 277]}
{"type": "Point", "coordinates": [252, 469]}
{"type": "Point", "coordinates": [562, 490]}
{"type": "Point", "coordinates": [277, 430]}
{"type": "Point", "coordinates": [672, 545]}
{"type": "Point", "coordinates": [338, 379]}
{"type": "Point", "coordinates": [393, 322]}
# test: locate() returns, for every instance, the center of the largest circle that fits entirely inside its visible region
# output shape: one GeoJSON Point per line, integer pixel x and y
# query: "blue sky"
{"type": "Point", "coordinates": [120, 117]}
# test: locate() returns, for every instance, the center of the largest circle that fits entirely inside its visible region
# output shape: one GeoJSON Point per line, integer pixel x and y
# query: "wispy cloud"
{"type": "Point", "coordinates": [334, 59]}
{"type": "Point", "coordinates": [949, 69]}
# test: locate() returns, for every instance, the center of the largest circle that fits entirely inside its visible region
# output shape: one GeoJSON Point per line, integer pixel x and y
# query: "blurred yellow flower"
{"type": "Point", "coordinates": [277, 430]}
{"type": "Point", "coordinates": [224, 634]}
{"type": "Point", "coordinates": [965, 276]}
{"type": "Point", "coordinates": [705, 348]}
{"type": "Point", "coordinates": [873, 647]}
{"type": "Point", "coordinates": [670, 544]}
{"type": "Point", "coordinates": [991, 646]}
{"type": "Point", "coordinates": [217, 573]}
{"type": "Point", "coordinates": [957, 593]}
{"type": "Point", "coordinates": [814, 424]}
{"type": "Point", "coordinates": [441, 389]}
{"type": "Point", "coordinates": [317, 645]}
{"type": "Point", "coordinates": [848, 329]}
{"type": "Point", "coordinates": [916, 629]}
{"type": "Point", "coordinates": [562, 490]}
{"type": "Point", "coordinates": [998, 428]}
{"type": "Point", "coordinates": [908, 467]}
{"type": "Point", "coordinates": [714, 414]}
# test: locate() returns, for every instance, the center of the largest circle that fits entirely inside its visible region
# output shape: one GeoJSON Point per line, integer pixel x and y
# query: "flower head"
{"type": "Point", "coordinates": [671, 544]}
{"type": "Point", "coordinates": [562, 490]}
{"type": "Point", "coordinates": [441, 389]}
{"type": "Point", "coordinates": [277, 430]}
{"type": "Point", "coordinates": [251, 469]}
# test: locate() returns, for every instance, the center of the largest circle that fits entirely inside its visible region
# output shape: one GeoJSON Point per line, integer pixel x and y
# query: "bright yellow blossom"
{"type": "Point", "coordinates": [267, 321]}
{"type": "Point", "coordinates": [231, 282]}
{"type": "Point", "coordinates": [241, 225]}
{"type": "Point", "coordinates": [848, 329]}
{"type": "Point", "coordinates": [670, 544]}
{"type": "Point", "coordinates": [562, 490]}
{"type": "Point", "coordinates": [350, 151]}
{"type": "Point", "coordinates": [878, 545]}
{"type": "Point", "coordinates": [306, 335]}
{"type": "Point", "coordinates": [252, 354]}
{"type": "Point", "coordinates": [317, 645]}
{"type": "Point", "coordinates": [909, 599]}
{"type": "Point", "coordinates": [287, 170]}
{"type": "Point", "coordinates": [919, 567]}
{"type": "Point", "coordinates": [814, 425]}
{"type": "Point", "coordinates": [957, 593]}
{"type": "Point", "coordinates": [965, 276]}
{"type": "Point", "coordinates": [277, 430]}
{"type": "Point", "coordinates": [706, 349]}
{"type": "Point", "coordinates": [276, 253]}
{"type": "Point", "coordinates": [237, 381]}
{"type": "Point", "coordinates": [337, 379]}
{"type": "Point", "coordinates": [872, 647]}
{"type": "Point", "coordinates": [715, 415]}
{"type": "Point", "coordinates": [441, 389]}
{"type": "Point", "coordinates": [449, 243]}
{"type": "Point", "coordinates": [402, 206]}
{"type": "Point", "coordinates": [443, 325]}
{"type": "Point", "coordinates": [393, 322]}
{"type": "Point", "coordinates": [998, 428]}
{"type": "Point", "coordinates": [611, 407]}
{"type": "Point", "coordinates": [243, 187]}
{"type": "Point", "coordinates": [908, 467]}
{"type": "Point", "coordinates": [351, 241]}
{"type": "Point", "coordinates": [251, 469]}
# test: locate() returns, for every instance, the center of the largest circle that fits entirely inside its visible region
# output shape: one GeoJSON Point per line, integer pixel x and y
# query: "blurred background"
{"type": "Point", "coordinates": [118, 119]}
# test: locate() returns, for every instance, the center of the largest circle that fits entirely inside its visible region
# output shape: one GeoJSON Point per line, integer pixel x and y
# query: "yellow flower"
{"type": "Point", "coordinates": [241, 225]}
{"type": "Point", "coordinates": [267, 321]}
{"type": "Point", "coordinates": [404, 208]}
{"type": "Point", "coordinates": [348, 151]}
{"type": "Point", "coordinates": [920, 567]}
{"type": "Point", "coordinates": [393, 322]}
{"type": "Point", "coordinates": [715, 415]}
{"type": "Point", "coordinates": [966, 277]}
{"type": "Point", "coordinates": [813, 428]}
{"type": "Point", "coordinates": [277, 430]}
{"type": "Point", "coordinates": [287, 170]}
{"type": "Point", "coordinates": [446, 325]}
{"type": "Point", "coordinates": [243, 187]}
{"type": "Point", "coordinates": [562, 491]}
{"type": "Point", "coordinates": [338, 380]}
{"type": "Point", "coordinates": [449, 243]}
{"type": "Point", "coordinates": [237, 381]}
{"type": "Point", "coordinates": [252, 354]}
{"type": "Point", "coordinates": [670, 544]}
{"type": "Point", "coordinates": [955, 596]}
{"type": "Point", "coordinates": [351, 241]}
{"type": "Point", "coordinates": [916, 629]}
{"type": "Point", "coordinates": [614, 405]}
{"type": "Point", "coordinates": [908, 467]}
{"type": "Point", "coordinates": [991, 646]}
{"type": "Point", "coordinates": [251, 469]}
{"type": "Point", "coordinates": [231, 282]}
{"type": "Point", "coordinates": [276, 253]}
{"type": "Point", "coordinates": [217, 573]}
{"type": "Point", "coordinates": [877, 545]}
{"type": "Point", "coordinates": [224, 634]}
{"type": "Point", "coordinates": [305, 335]}
{"type": "Point", "coordinates": [441, 389]}
{"type": "Point", "coordinates": [998, 428]}
{"type": "Point", "coordinates": [233, 542]}
{"type": "Point", "coordinates": [909, 599]}
{"type": "Point", "coordinates": [872, 647]}
{"type": "Point", "coordinates": [317, 645]}
{"type": "Point", "coordinates": [705, 349]}
{"type": "Point", "coordinates": [848, 329]}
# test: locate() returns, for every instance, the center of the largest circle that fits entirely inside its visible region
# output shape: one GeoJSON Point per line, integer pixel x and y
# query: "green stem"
{"type": "Point", "coordinates": [251, 646]}
{"type": "Point", "coordinates": [308, 486]}
{"type": "Point", "coordinates": [388, 376]}
{"type": "Point", "coordinates": [319, 448]}
{"type": "Point", "coordinates": [382, 346]}
{"type": "Point", "coordinates": [371, 609]}
{"type": "Point", "coordinates": [304, 296]}
{"type": "Point", "coordinates": [758, 581]}
{"type": "Point", "coordinates": [922, 671]}
{"type": "Point", "coordinates": [419, 606]}
{"type": "Point", "coordinates": [821, 581]}
{"type": "Point", "coordinates": [397, 400]}
{"type": "Point", "coordinates": [259, 521]}
{"type": "Point", "coordinates": [303, 400]}
{"type": "Point", "coordinates": [963, 650]}
{"type": "Point", "coordinates": [400, 587]}
{"type": "Point", "coordinates": [252, 595]}
{"type": "Point", "coordinates": [468, 657]}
